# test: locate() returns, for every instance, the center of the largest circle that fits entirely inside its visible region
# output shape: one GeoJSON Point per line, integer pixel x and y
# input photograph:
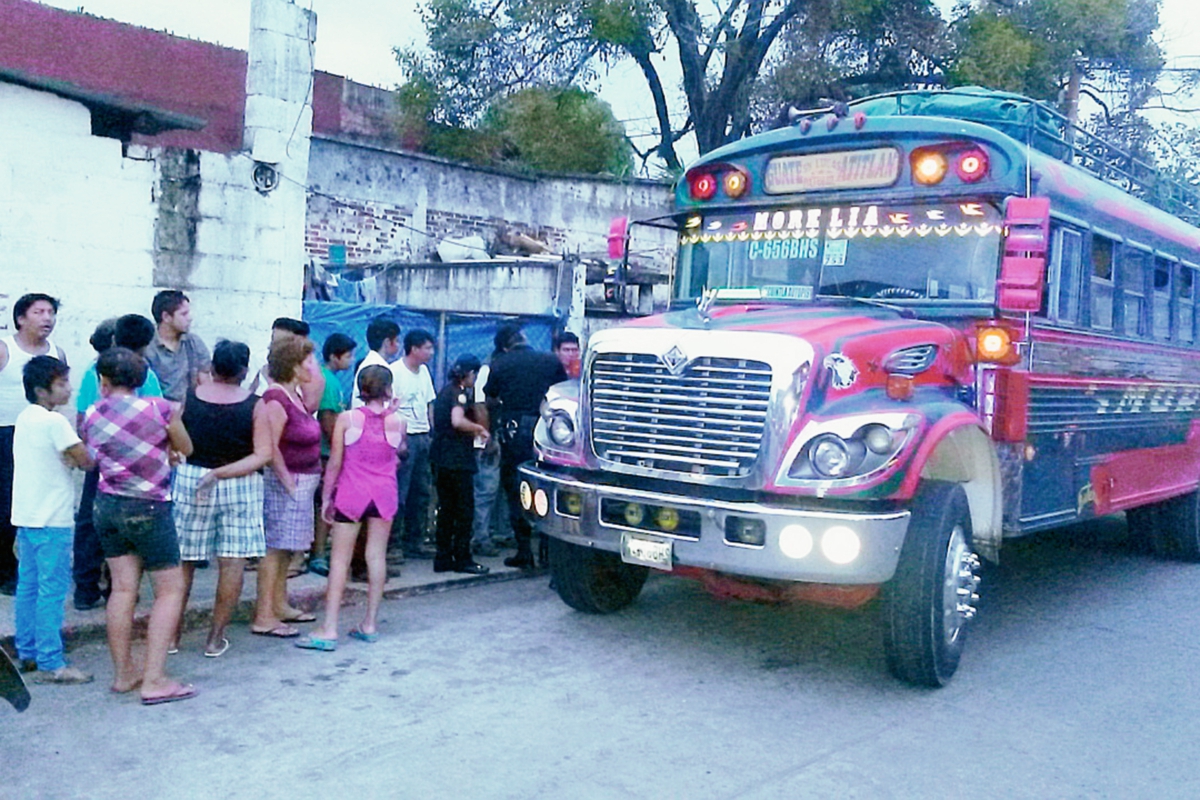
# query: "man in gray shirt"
{"type": "Point", "coordinates": [178, 358]}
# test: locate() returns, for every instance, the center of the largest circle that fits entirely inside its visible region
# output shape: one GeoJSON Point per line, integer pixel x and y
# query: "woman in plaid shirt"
{"type": "Point", "coordinates": [131, 439]}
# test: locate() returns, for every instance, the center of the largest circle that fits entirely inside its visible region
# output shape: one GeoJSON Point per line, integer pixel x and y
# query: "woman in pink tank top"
{"type": "Point", "coordinates": [360, 487]}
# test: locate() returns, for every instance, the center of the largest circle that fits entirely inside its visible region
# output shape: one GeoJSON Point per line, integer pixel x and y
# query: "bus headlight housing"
{"type": "Point", "coordinates": [850, 448]}
{"type": "Point", "coordinates": [557, 433]}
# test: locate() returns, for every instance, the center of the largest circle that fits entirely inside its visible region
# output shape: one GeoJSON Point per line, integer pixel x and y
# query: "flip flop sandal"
{"type": "Point", "coordinates": [369, 638]}
{"type": "Point", "coordinates": [280, 631]}
{"type": "Point", "coordinates": [303, 616]}
{"type": "Point", "coordinates": [313, 643]}
{"type": "Point", "coordinates": [220, 652]}
{"type": "Point", "coordinates": [182, 693]}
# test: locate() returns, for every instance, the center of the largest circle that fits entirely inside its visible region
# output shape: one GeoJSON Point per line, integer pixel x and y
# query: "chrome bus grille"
{"type": "Point", "coordinates": [707, 420]}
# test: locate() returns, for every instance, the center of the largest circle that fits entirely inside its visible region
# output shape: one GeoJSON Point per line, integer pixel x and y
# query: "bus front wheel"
{"type": "Point", "coordinates": [594, 581]}
{"type": "Point", "coordinates": [929, 602]}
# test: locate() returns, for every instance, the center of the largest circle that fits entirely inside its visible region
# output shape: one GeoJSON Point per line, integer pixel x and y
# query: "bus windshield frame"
{"type": "Point", "coordinates": [936, 252]}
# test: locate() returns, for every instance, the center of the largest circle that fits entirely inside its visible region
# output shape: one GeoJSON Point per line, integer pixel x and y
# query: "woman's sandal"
{"type": "Point", "coordinates": [313, 643]}
{"type": "Point", "coordinates": [369, 638]}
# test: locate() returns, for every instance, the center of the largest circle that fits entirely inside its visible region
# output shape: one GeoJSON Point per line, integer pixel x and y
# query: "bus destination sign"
{"type": "Point", "coordinates": [844, 169]}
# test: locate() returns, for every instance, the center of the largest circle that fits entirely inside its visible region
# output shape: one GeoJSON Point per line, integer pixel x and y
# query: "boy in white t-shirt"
{"type": "Point", "coordinates": [45, 447]}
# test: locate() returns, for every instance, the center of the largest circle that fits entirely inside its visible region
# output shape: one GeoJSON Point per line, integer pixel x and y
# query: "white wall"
{"type": "Point", "coordinates": [104, 230]}
{"type": "Point", "coordinates": [77, 221]}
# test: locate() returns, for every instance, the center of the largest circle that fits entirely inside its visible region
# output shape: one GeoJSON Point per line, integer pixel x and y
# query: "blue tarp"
{"type": "Point", "coordinates": [464, 333]}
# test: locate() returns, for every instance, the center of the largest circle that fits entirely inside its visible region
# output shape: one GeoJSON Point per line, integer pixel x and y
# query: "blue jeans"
{"type": "Point", "coordinates": [42, 582]}
{"type": "Point", "coordinates": [487, 486]}
{"type": "Point", "coordinates": [89, 558]}
{"type": "Point", "coordinates": [413, 483]}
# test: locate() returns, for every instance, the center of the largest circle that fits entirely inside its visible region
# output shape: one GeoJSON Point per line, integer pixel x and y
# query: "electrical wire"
{"type": "Point", "coordinates": [371, 215]}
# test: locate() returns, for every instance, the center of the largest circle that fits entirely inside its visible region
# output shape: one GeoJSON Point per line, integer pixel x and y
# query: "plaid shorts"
{"type": "Point", "coordinates": [289, 520]}
{"type": "Point", "coordinates": [228, 524]}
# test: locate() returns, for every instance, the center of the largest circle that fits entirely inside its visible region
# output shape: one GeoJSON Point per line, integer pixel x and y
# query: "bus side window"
{"type": "Point", "coordinates": [1160, 308]}
{"type": "Point", "coordinates": [1102, 283]}
{"type": "Point", "coordinates": [1185, 304]}
{"type": "Point", "coordinates": [1131, 282]}
{"type": "Point", "coordinates": [1062, 296]}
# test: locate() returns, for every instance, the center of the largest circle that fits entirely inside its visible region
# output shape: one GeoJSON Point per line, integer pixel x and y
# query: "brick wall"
{"type": "Point", "coordinates": [369, 232]}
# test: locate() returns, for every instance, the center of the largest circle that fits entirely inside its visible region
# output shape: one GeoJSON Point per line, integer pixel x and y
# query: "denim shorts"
{"type": "Point", "coordinates": [135, 526]}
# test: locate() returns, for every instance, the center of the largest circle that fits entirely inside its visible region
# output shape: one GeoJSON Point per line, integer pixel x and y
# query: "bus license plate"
{"type": "Point", "coordinates": [646, 551]}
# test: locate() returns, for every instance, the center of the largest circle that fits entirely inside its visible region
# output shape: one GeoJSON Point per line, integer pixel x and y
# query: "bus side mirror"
{"type": "Point", "coordinates": [618, 237]}
{"type": "Point", "coordinates": [1023, 268]}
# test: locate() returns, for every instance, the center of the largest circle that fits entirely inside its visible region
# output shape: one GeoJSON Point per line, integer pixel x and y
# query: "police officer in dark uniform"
{"type": "Point", "coordinates": [515, 389]}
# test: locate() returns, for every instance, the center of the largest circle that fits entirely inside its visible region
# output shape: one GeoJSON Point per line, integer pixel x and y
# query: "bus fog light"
{"type": "Point", "coordinates": [840, 545]}
{"type": "Point", "coordinates": [570, 503]}
{"type": "Point", "coordinates": [635, 513]}
{"type": "Point", "coordinates": [745, 530]}
{"type": "Point", "coordinates": [795, 541]}
{"type": "Point", "coordinates": [526, 495]}
{"type": "Point", "coordinates": [667, 518]}
{"type": "Point", "coordinates": [541, 503]}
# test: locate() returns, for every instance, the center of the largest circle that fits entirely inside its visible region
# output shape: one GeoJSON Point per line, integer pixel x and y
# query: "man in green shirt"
{"type": "Point", "coordinates": [339, 357]}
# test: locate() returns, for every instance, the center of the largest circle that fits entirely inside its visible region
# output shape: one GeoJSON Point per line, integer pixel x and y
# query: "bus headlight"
{"type": "Point", "coordinates": [562, 429]}
{"type": "Point", "coordinates": [834, 457]}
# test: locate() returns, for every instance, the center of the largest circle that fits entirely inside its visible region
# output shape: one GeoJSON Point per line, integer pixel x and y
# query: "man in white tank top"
{"type": "Point", "coordinates": [34, 316]}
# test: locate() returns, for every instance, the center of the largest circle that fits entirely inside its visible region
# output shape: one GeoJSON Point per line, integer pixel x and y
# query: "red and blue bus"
{"type": "Point", "coordinates": [903, 332]}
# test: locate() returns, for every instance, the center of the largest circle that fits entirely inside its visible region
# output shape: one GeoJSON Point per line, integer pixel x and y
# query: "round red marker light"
{"type": "Point", "coordinates": [703, 186]}
{"type": "Point", "coordinates": [972, 166]}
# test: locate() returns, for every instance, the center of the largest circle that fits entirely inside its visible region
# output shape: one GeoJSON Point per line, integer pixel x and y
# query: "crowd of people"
{"type": "Point", "coordinates": [185, 466]}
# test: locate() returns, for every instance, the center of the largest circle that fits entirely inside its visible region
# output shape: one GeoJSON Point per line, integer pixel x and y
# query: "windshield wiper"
{"type": "Point", "coordinates": [907, 313]}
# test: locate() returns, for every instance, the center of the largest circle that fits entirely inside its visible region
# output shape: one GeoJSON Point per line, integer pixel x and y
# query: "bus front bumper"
{"type": "Point", "coordinates": [663, 529]}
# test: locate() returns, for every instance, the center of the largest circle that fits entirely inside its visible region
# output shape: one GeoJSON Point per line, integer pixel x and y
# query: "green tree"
{"type": "Point", "coordinates": [480, 52]}
{"type": "Point", "coordinates": [854, 48]}
{"type": "Point", "coordinates": [1039, 47]}
{"type": "Point", "coordinates": [560, 130]}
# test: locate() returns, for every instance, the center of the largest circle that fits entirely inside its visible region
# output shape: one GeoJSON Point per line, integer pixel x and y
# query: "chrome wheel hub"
{"type": "Point", "coordinates": [960, 585]}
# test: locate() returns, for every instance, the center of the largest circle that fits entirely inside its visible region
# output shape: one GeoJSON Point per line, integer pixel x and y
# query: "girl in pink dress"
{"type": "Point", "coordinates": [360, 486]}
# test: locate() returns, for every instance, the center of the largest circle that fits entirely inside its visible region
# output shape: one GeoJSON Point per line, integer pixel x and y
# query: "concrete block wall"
{"type": "Point", "coordinates": [447, 199]}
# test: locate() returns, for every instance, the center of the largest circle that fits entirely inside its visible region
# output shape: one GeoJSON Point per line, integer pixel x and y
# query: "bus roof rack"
{"type": "Point", "coordinates": [1041, 127]}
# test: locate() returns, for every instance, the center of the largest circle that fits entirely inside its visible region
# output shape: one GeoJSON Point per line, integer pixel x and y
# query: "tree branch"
{"type": "Point", "coordinates": [666, 146]}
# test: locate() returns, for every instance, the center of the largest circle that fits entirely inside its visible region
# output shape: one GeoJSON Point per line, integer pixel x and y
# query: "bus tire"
{"type": "Point", "coordinates": [929, 602]}
{"type": "Point", "coordinates": [1176, 534]}
{"type": "Point", "coordinates": [594, 581]}
{"type": "Point", "coordinates": [1143, 523]}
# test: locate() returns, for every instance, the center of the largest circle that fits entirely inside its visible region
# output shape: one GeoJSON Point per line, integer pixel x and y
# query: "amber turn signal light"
{"type": "Point", "coordinates": [928, 167]}
{"type": "Point", "coordinates": [735, 183]}
{"type": "Point", "coordinates": [899, 387]}
{"type": "Point", "coordinates": [994, 345]}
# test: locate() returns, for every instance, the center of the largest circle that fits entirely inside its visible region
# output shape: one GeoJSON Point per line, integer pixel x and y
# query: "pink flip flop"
{"type": "Point", "coordinates": [182, 693]}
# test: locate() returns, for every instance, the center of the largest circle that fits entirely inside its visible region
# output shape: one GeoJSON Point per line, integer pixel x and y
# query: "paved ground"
{"type": "Point", "coordinates": [305, 591]}
{"type": "Point", "coordinates": [1077, 683]}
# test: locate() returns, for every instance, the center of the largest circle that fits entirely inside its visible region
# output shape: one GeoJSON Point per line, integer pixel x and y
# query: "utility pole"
{"type": "Point", "coordinates": [1071, 101]}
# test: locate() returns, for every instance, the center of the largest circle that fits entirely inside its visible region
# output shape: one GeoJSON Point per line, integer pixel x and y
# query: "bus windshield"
{"type": "Point", "coordinates": [929, 252]}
